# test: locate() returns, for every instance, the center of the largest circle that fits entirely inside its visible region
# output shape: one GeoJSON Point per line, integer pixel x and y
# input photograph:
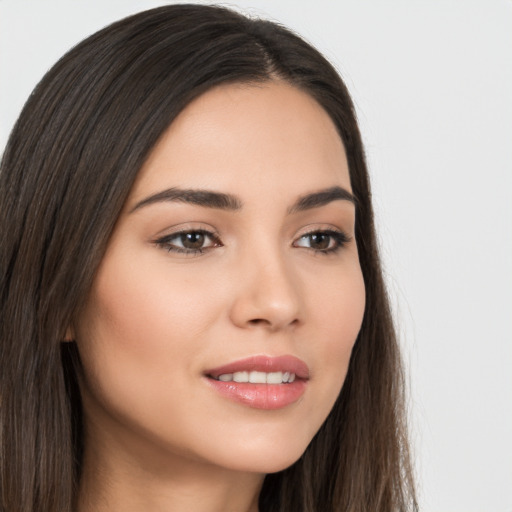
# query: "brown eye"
{"type": "Point", "coordinates": [194, 240]}
{"type": "Point", "coordinates": [324, 242]}
{"type": "Point", "coordinates": [189, 242]}
{"type": "Point", "coordinates": [319, 241]}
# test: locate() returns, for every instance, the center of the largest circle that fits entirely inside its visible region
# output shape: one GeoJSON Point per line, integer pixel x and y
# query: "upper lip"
{"type": "Point", "coordinates": [262, 363]}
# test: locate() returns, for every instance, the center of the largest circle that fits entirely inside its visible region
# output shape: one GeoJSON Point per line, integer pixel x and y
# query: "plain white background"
{"type": "Point", "coordinates": [432, 81]}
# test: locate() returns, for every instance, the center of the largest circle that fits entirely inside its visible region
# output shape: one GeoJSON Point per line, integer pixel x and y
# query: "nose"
{"type": "Point", "coordinates": [267, 295]}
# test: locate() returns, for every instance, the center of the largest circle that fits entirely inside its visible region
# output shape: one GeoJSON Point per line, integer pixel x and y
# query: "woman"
{"type": "Point", "coordinates": [193, 312]}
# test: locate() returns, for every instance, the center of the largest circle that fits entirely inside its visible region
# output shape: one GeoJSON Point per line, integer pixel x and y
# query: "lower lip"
{"type": "Point", "coordinates": [261, 396]}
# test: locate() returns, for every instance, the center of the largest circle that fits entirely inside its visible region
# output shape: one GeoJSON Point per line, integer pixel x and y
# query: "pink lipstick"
{"type": "Point", "coordinates": [261, 382]}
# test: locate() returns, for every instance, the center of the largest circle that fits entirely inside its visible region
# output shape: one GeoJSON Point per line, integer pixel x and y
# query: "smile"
{"type": "Point", "coordinates": [255, 377]}
{"type": "Point", "coordinates": [261, 382]}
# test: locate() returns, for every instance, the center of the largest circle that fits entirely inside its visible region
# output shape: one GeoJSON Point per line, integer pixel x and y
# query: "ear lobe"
{"type": "Point", "coordinates": [70, 335]}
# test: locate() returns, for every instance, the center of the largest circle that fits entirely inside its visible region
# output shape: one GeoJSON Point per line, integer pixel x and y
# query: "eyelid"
{"type": "Point", "coordinates": [164, 241]}
{"type": "Point", "coordinates": [323, 228]}
{"type": "Point", "coordinates": [184, 227]}
{"type": "Point", "coordinates": [340, 237]}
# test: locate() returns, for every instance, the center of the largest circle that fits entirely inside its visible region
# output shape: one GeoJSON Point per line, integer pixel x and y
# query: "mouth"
{"type": "Point", "coordinates": [261, 382]}
{"type": "Point", "coordinates": [256, 377]}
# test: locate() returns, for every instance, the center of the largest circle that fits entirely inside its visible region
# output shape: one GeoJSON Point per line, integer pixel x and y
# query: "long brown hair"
{"type": "Point", "coordinates": [65, 174]}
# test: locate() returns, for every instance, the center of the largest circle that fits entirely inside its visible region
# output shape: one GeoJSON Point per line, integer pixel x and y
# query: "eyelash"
{"type": "Point", "coordinates": [339, 237]}
{"type": "Point", "coordinates": [166, 241]}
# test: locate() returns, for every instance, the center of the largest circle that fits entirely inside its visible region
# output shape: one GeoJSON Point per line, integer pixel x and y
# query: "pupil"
{"type": "Point", "coordinates": [320, 241]}
{"type": "Point", "coordinates": [192, 240]}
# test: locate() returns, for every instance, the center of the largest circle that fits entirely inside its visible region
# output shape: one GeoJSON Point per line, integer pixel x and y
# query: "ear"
{"type": "Point", "coordinates": [70, 335]}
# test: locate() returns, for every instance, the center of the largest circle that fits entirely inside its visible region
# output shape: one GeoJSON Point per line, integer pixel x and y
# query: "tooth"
{"type": "Point", "coordinates": [241, 377]}
{"type": "Point", "coordinates": [257, 377]}
{"type": "Point", "coordinates": [275, 378]}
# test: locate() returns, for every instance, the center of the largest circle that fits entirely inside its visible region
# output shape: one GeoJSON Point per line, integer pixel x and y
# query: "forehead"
{"type": "Point", "coordinates": [241, 136]}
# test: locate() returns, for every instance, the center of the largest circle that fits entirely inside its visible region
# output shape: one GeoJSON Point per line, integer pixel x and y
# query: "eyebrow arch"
{"type": "Point", "coordinates": [199, 197]}
{"type": "Point", "coordinates": [222, 201]}
{"type": "Point", "coordinates": [321, 198]}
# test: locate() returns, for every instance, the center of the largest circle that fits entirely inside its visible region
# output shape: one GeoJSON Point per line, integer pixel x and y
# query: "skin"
{"type": "Point", "coordinates": [158, 436]}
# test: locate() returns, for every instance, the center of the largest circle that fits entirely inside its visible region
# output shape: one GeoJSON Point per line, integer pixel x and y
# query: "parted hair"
{"type": "Point", "coordinates": [65, 174]}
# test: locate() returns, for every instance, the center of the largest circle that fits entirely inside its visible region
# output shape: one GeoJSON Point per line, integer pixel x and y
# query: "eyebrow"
{"type": "Point", "coordinates": [321, 198]}
{"type": "Point", "coordinates": [222, 201]}
{"type": "Point", "coordinates": [206, 198]}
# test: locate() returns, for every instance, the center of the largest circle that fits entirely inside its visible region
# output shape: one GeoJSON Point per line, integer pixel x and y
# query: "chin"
{"type": "Point", "coordinates": [280, 464]}
{"type": "Point", "coordinates": [270, 465]}
{"type": "Point", "coordinates": [271, 458]}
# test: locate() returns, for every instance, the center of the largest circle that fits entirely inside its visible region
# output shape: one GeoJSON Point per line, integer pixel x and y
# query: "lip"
{"type": "Point", "coordinates": [267, 364]}
{"type": "Point", "coordinates": [262, 396]}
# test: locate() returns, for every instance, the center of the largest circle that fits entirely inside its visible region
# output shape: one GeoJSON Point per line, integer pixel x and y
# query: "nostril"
{"type": "Point", "coordinates": [258, 321]}
{"type": "Point", "coordinates": [269, 324]}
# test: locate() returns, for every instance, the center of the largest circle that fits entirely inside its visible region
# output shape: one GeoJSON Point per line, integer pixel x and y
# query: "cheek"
{"type": "Point", "coordinates": [339, 305]}
{"type": "Point", "coordinates": [137, 308]}
{"type": "Point", "coordinates": [339, 314]}
{"type": "Point", "coordinates": [139, 331]}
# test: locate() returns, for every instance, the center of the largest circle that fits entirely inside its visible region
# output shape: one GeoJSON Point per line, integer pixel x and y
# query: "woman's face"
{"type": "Point", "coordinates": [232, 270]}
